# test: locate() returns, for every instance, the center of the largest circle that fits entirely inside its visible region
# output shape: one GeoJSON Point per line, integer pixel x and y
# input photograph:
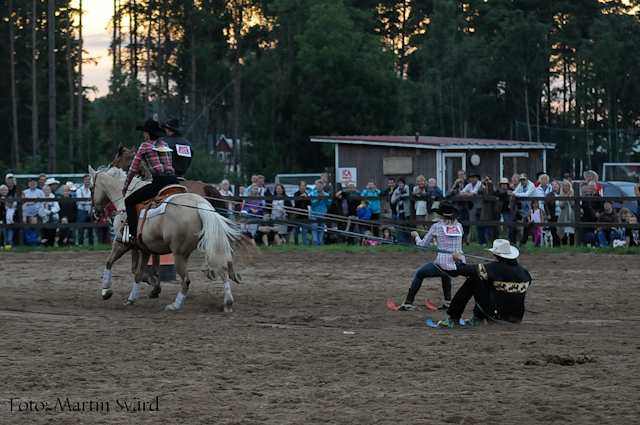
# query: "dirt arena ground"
{"type": "Point", "coordinates": [311, 341]}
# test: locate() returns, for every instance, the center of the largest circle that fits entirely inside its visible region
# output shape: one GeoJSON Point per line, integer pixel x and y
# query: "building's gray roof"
{"type": "Point", "coordinates": [431, 142]}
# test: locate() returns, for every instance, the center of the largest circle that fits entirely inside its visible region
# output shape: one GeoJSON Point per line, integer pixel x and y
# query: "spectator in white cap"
{"type": "Point", "coordinates": [15, 191]}
{"type": "Point", "coordinates": [592, 176]}
{"type": "Point", "coordinates": [30, 209]}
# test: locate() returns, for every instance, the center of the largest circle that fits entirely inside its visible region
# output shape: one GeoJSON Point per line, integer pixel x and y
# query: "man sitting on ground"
{"type": "Point", "coordinates": [499, 288]}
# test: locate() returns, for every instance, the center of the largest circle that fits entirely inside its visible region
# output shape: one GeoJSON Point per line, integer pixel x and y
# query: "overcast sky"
{"type": "Point", "coordinates": [95, 20]}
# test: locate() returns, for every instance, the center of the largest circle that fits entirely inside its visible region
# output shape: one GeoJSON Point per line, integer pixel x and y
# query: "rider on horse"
{"type": "Point", "coordinates": [157, 156]}
{"type": "Point", "coordinates": [181, 154]}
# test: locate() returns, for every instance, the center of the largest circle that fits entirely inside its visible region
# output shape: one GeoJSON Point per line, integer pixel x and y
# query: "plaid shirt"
{"type": "Point", "coordinates": [444, 242]}
{"type": "Point", "coordinates": [158, 162]}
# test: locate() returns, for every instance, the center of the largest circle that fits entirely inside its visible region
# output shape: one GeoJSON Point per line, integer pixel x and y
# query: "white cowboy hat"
{"type": "Point", "coordinates": [71, 186]}
{"type": "Point", "coordinates": [593, 173]}
{"type": "Point", "coordinates": [502, 248]}
{"type": "Point", "coordinates": [51, 180]}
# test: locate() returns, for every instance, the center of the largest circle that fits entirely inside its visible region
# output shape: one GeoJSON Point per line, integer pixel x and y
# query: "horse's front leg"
{"type": "Point", "coordinates": [135, 291]}
{"type": "Point", "coordinates": [181, 270]}
{"type": "Point", "coordinates": [117, 251]}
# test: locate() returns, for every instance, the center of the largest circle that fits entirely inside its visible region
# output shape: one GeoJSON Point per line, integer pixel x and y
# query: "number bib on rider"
{"type": "Point", "coordinates": [452, 230]}
{"type": "Point", "coordinates": [183, 150]}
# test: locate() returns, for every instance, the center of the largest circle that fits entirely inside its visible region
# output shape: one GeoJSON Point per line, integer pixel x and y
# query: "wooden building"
{"type": "Point", "coordinates": [361, 158]}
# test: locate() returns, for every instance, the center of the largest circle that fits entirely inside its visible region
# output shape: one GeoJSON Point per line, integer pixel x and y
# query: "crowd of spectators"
{"type": "Point", "coordinates": [505, 201]}
{"type": "Point", "coordinates": [274, 217]}
{"type": "Point", "coordinates": [43, 204]}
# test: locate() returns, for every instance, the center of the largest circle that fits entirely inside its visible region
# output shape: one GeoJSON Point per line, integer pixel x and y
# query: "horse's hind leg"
{"type": "Point", "coordinates": [135, 291]}
{"type": "Point", "coordinates": [211, 274]}
{"type": "Point", "coordinates": [154, 279]}
{"type": "Point", "coordinates": [181, 270]}
{"type": "Point", "coordinates": [228, 297]}
{"type": "Point", "coordinates": [237, 277]}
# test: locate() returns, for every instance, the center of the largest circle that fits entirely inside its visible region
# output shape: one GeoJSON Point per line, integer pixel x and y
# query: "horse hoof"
{"type": "Point", "coordinates": [107, 294]}
{"type": "Point", "coordinates": [129, 302]}
{"type": "Point", "coordinates": [228, 306]}
{"type": "Point", "coordinates": [211, 274]}
{"type": "Point", "coordinates": [238, 278]}
{"type": "Point", "coordinates": [152, 280]}
{"type": "Point", "coordinates": [171, 307]}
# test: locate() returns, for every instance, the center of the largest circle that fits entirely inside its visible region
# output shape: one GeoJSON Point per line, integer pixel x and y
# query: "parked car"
{"type": "Point", "coordinates": [621, 189]}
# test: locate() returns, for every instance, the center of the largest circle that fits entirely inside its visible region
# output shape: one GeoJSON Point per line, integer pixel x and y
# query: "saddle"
{"type": "Point", "coordinates": [144, 207]}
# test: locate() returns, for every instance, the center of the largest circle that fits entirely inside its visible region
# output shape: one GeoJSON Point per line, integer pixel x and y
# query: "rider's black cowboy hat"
{"type": "Point", "coordinates": [152, 127]}
{"type": "Point", "coordinates": [173, 123]}
{"type": "Point", "coordinates": [446, 209]}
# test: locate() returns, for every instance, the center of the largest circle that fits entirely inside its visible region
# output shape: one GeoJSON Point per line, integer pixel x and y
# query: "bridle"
{"type": "Point", "coordinates": [93, 205]}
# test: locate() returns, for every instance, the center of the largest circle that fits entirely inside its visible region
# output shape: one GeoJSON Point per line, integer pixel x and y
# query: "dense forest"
{"type": "Point", "coordinates": [272, 73]}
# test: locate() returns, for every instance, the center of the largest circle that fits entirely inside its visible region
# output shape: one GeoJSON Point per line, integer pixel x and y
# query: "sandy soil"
{"type": "Point", "coordinates": [312, 341]}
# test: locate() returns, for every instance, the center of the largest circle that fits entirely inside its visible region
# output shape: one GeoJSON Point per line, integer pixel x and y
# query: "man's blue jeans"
{"type": "Point", "coordinates": [602, 237]}
{"type": "Point", "coordinates": [402, 235]}
{"type": "Point", "coordinates": [300, 231]}
{"type": "Point", "coordinates": [317, 233]}
{"type": "Point", "coordinates": [511, 230]}
{"type": "Point", "coordinates": [482, 239]}
{"type": "Point", "coordinates": [84, 217]}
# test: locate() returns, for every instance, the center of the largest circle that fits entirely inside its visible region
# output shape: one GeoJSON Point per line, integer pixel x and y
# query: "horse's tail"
{"type": "Point", "coordinates": [218, 237]}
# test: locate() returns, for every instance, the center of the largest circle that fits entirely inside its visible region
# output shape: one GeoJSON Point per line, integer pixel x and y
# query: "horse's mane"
{"type": "Point", "coordinates": [124, 158]}
{"type": "Point", "coordinates": [119, 174]}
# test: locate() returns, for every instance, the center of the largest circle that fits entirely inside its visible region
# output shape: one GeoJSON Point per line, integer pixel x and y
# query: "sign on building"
{"type": "Point", "coordinates": [348, 174]}
{"type": "Point", "coordinates": [397, 165]}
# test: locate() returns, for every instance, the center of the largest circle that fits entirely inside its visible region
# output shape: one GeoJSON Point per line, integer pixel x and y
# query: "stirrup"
{"type": "Point", "coordinates": [125, 234]}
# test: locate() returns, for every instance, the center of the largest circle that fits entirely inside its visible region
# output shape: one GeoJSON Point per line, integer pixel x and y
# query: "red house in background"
{"type": "Point", "coordinates": [224, 148]}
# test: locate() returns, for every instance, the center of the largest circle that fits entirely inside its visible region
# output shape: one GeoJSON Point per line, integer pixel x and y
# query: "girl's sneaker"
{"type": "Point", "coordinates": [406, 306]}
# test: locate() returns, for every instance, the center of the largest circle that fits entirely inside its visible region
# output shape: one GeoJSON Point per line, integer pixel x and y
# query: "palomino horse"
{"type": "Point", "coordinates": [189, 222]}
{"type": "Point", "coordinates": [124, 158]}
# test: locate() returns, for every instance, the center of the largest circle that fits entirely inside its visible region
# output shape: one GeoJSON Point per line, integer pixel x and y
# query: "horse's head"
{"type": "Point", "coordinates": [99, 194]}
{"type": "Point", "coordinates": [124, 157]}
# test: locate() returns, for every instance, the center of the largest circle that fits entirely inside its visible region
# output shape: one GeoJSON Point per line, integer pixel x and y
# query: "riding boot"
{"type": "Point", "coordinates": [408, 302]}
{"type": "Point", "coordinates": [447, 292]}
{"type": "Point", "coordinates": [411, 295]}
{"type": "Point", "coordinates": [446, 302]}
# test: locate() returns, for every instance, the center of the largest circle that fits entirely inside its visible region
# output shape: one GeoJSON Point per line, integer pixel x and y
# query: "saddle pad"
{"type": "Point", "coordinates": [159, 209]}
